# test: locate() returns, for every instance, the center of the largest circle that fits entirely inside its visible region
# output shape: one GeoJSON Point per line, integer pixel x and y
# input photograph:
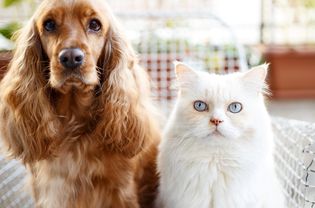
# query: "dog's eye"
{"type": "Point", "coordinates": [95, 25]}
{"type": "Point", "coordinates": [50, 25]}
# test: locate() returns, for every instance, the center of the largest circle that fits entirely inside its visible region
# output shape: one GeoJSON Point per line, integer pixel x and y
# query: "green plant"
{"type": "Point", "coordinates": [9, 29]}
{"type": "Point", "coordinates": [8, 3]}
{"type": "Point", "coordinates": [309, 3]}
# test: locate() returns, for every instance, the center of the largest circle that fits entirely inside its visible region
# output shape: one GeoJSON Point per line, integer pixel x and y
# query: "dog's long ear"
{"type": "Point", "coordinates": [125, 124]}
{"type": "Point", "coordinates": [26, 125]}
{"type": "Point", "coordinates": [117, 53]}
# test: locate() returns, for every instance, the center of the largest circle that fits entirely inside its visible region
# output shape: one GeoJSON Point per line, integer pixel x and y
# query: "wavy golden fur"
{"type": "Point", "coordinates": [88, 136]}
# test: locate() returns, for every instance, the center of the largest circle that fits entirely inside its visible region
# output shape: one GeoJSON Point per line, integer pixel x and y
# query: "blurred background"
{"type": "Point", "coordinates": [215, 35]}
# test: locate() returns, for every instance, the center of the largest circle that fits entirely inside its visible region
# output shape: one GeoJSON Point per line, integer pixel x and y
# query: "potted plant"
{"type": "Point", "coordinates": [292, 71]}
{"type": "Point", "coordinates": [292, 56]}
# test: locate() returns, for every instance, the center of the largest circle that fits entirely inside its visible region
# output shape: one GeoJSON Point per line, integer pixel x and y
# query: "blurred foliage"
{"type": "Point", "coordinates": [217, 58]}
{"type": "Point", "coordinates": [9, 29]}
{"type": "Point", "coordinates": [309, 3]}
{"type": "Point", "coordinates": [170, 23]}
{"type": "Point", "coordinates": [155, 44]}
{"type": "Point", "coordinates": [8, 3]}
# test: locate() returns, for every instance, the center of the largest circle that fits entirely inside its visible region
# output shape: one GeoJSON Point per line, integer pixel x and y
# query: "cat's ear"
{"type": "Point", "coordinates": [185, 75]}
{"type": "Point", "coordinates": [255, 78]}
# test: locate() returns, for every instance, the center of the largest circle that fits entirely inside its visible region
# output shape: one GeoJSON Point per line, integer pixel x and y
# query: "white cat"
{"type": "Point", "coordinates": [217, 150]}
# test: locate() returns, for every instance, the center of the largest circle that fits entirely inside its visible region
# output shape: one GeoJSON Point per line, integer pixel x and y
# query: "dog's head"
{"type": "Point", "coordinates": [72, 34]}
{"type": "Point", "coordinates": [75, 39]}
{"type": "Point", "coordinates": [72, 51]}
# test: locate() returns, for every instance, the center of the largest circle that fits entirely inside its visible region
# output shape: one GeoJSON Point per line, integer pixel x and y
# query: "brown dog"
{"type": "Point", "coordinates": [75, 109]}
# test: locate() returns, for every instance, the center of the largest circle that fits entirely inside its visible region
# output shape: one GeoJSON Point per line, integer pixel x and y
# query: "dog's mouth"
{"type": "Point", "coordinates": [74, 79]}
{"type": "Point", "coordinates": [80, 78]}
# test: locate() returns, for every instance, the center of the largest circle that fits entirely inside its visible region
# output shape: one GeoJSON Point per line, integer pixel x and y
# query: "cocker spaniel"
{"type": "Point", "coordinates": [75, 109]}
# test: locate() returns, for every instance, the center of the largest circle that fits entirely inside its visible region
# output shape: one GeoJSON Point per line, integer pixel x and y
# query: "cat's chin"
{"type": "Point", "coordinates": [217, 134]}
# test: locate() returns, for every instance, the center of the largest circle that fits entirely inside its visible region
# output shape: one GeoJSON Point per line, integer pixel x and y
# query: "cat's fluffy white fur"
{"type": "Point", "coordinates": [230, 168]}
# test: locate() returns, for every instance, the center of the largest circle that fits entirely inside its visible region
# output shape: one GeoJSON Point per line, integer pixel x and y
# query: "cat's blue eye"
{"type": "Point", "coordinates": [235, 107]}
{"type": "Point", "coordinates": [200, 106]}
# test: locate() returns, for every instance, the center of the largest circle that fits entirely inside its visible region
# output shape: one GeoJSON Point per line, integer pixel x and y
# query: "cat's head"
{"type": "Point", "coordinates": [220, 106]}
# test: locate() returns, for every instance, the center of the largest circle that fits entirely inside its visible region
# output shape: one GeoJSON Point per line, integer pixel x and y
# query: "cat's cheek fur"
{"type": "Point", "coordinates": [229, 132]}
{"type": "Point", "coordinates": [234, 125]}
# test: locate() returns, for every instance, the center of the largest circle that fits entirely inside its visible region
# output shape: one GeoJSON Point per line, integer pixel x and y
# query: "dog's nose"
{"type": "Point", "coordinates": [71, 58]}
{"type": "Point", "coordinates": [216, 121]}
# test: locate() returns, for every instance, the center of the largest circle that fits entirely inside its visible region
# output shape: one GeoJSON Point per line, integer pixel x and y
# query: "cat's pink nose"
{"type": "Point", "coordinates": [216, 121]}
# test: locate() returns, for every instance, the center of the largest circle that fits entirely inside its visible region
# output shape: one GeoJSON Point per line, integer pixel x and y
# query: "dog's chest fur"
{"type": "Point", "coordinates": [75, 105]}
{"type": "Point", "coordinates": [81, 169]}
{"type": "Point", "coordinates": [70, 177]}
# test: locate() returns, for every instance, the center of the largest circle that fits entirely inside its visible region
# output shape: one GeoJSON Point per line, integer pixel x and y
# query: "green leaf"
{"type": "Point", "coordinates": [8, 3]}
{"type": "Point", "coordinates": [9, 29]}
{"type": "Point", "coordinates": [309, 4]}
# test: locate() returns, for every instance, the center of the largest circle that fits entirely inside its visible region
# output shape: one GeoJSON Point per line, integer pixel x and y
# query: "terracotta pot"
{"type": "Point", "coordinates": [292, 72]}
{"type": "Point", "coordinates": [5, 58]}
